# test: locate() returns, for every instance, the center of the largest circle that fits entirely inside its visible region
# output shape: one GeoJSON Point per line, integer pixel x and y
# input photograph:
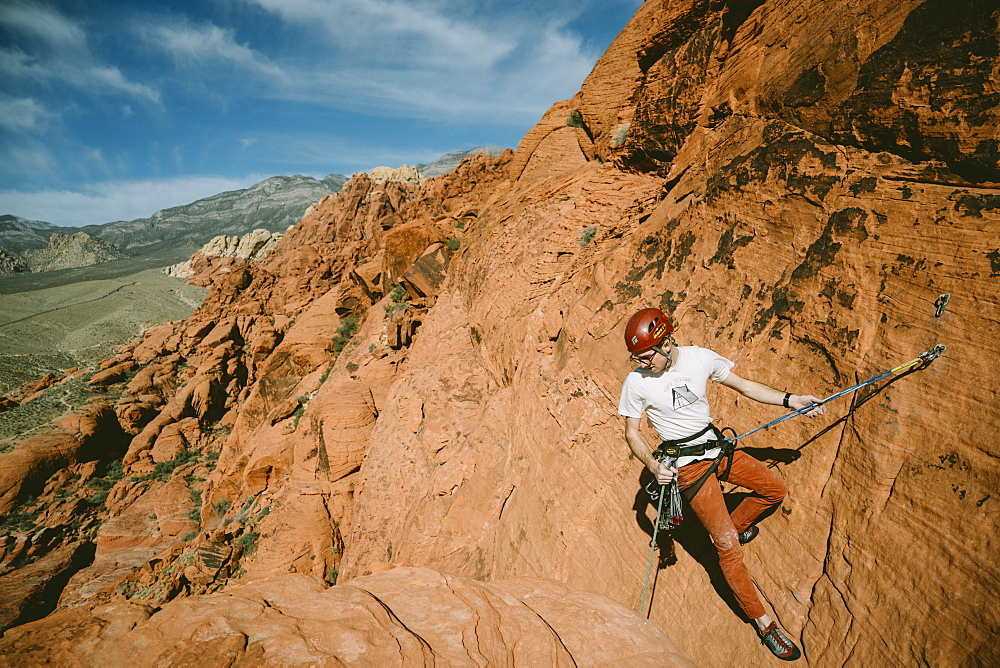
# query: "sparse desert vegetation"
{"type": "Point", "coordinates": [59, 327]}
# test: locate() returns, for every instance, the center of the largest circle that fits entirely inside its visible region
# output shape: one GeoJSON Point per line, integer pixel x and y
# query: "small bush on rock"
{"type": "Point", "coordinates": [348, 326]}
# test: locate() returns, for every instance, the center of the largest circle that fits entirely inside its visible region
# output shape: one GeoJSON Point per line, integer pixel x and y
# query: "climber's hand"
{"type": "Point", "coordinates": [798, 401]}
{"type": "Point", "coordinates": [664, 473]}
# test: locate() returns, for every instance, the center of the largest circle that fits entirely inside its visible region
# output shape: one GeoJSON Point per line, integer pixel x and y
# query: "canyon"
{"type": "Point", "coordinates": [394, 437]}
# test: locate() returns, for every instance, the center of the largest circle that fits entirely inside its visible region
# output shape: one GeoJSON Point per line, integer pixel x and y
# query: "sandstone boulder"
{"type": "Point", "coordinates": [93, 434]}
{"type": "Point", "coordinates": [424, 277]}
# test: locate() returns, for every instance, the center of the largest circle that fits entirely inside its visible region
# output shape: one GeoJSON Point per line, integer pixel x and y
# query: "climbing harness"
{"type": "Point", "coordinates": [727, 446]}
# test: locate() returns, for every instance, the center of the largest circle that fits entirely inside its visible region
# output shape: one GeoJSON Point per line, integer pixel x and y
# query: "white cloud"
{"type": "Point", "coordinates": [62, 57]}
{"type": "Point", "coordinates": [23, 114]}
{"type": "Point", "coordinates": [206, 45]}
{"type": "Point", "coordinates": [414, 59]}
{"type": "Point", "coordinates": [410, 35]}
{"type": "Point", "coordinates": [30, 158]}
{"type": "Point", "coordinates": [111, 78]}
{"type": "Point", "coordinates": [108, 202]}
{"type": "Point", "coordinates": [352, 154]}
{"type": "Point", "coordinates": [41, 22]}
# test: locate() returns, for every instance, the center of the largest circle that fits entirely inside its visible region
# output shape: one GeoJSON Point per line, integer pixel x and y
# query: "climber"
{"type": "Point", "coordinates": [670, 387]}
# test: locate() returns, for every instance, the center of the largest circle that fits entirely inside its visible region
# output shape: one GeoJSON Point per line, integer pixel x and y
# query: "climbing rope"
{"type": "Point", "coordinates": [652, 551]}
{"type": "Point", "coordinates": [919, 362]}
{"type": "Point", "coordinates": [856, 402]}
{"type": "Point", "coordinates": [667, 522]}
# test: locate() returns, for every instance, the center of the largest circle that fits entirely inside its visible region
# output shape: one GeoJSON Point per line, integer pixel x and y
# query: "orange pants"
{"type": "Point", "coordinates": [710, 507]}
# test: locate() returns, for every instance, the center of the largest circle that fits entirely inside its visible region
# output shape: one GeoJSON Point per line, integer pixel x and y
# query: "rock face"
{"type": "Point", "coordinates": [405, 174]}
{"type": "Point", "coordinates": [32, 246]}
{"type": "Point", "coordinates": [66, 251]}
{"type": "Point", "coordinates": [450, 161]}
{"type": "Point", "coordinates": [250, 247]}
{"type": "Point", "coordinates": [12, 263]}
{"type": "Point", "coordinates": [406, 616]}
{"type": "Point", "coordinates": [427, 376]}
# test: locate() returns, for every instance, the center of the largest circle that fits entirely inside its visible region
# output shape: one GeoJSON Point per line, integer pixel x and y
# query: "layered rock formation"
{"type": "Point", "coordinates": [404, 173]}
{"type": "Point", "coordinates": [12, 263]}
{"type": "Point", "coordinates": [63, 251]}
{"type": "Point", "coordinates": [249, 247]}
{"type": "Point", "coordinates": [18, 234]}
{"type": "Point", "coordinates": [450, 161]}
{"type": "Point", "coordinates": [427, 376]}
{"type": "Point", "coordinates": [66, 251]}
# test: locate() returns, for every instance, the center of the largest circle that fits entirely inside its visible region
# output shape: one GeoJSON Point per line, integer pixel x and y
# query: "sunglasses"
{"type": "Point", "coordinates": [643, 360]}
{"type": "Point", "coordinates": [646, 359]}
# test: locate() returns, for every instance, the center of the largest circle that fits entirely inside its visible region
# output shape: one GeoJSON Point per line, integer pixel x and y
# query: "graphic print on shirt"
{"type": "Point", "coordinates": [683, 397]}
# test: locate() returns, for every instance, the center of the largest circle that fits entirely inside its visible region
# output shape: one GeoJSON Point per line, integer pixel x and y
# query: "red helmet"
{"type": "Point", "coordinates": [646, 329]}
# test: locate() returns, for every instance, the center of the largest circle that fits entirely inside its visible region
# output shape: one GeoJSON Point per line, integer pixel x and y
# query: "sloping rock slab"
{"type": "Point", "coordinates": [405, 616]}
{"type": "Point", "coordinates": [31, 592]}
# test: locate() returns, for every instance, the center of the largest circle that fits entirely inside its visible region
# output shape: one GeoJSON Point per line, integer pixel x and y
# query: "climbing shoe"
{"type": "Point", "coordinates": [775, 640]}
{"type": "Point", "coordinates": [748, 535]}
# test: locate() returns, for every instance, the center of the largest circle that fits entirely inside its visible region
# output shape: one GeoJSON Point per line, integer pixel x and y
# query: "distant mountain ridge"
{"type": "Point", "coordinates": [18, 234]}
{"type": "Point", "coordinates": [272, 204]}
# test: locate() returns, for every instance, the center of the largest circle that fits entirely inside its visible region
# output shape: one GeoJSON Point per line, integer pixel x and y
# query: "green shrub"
{"type": "Point", "coordinates": [575, 119]}
{"type": "Point", "coordinates": [244, 512]}
{"type": "Point", "coordinates": [218, 429]}
{"type": "Point", "coordinates": [331, 576]}
{"type": "Point", "coordinates": [620, 133]}
{"type": "Point", "coordinates": [212, 459]}
{"type": "Point", "coordinates": [112, 474]}
{"type": "Point", "coordinates": [348, 326]}
{"type": "Point", "coordinates": [195, 512]}
{"type": "Point", "coordinates": [587, 235]}
{"type": "Point", "coordinates": [453, 243]}
{"type": "Point", "coordinates": [163, 470]}
{"type": "Point", "coordinates": [326, 373]}
{"type": "Point", "coordinates": [221, 507]}
{"type": "Point", "coordinates": [18, 521]}
{"type": "Point", "coordinates": [248, 543]}
{"type": "Point", "coordinates": [398, 297]}
{"type": "Point", "coordinates": [97, 499]}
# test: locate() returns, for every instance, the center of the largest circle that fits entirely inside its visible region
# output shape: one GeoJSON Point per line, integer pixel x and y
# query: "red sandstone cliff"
{"type": "Point", "coordinates": [796, 183]}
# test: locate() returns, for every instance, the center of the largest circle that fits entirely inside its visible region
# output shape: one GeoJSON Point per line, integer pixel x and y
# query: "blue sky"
{"type": "Point", "coordinates": [112, 110]}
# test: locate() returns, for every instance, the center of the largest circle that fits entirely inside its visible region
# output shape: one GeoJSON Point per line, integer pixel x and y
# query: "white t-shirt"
{"type": "Point", "coordinates": [676, 400]}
